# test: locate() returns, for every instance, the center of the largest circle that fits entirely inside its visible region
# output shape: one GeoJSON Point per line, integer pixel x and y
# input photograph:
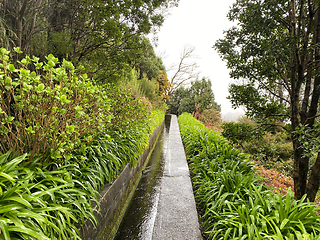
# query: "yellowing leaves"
{"type": "Point", "coordinates": [164, 86]}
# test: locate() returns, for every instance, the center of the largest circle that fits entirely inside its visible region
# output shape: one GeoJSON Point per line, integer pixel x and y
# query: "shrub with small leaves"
{"type": "Point", "coordinates": [127, 110]}
{"type": "Point", "coordinates": [48, 108]}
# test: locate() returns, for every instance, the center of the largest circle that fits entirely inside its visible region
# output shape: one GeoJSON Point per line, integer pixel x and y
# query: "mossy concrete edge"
{"type": "Point", "coordinates": [116, 197]}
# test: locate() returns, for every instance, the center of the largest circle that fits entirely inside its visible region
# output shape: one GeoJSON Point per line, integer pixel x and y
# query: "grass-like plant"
{"type": "Point", "coordinates": [231, 198]}
{"type": "Point", "coordinates": [62, 138]}
{"type": "Point", "coordinates": [36, 203]}
{"type": "Point", "coordinates": [39, 204]}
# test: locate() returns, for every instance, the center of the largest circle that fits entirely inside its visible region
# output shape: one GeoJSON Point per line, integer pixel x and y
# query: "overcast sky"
{"type": "Point", "coordinates": [199, 24]}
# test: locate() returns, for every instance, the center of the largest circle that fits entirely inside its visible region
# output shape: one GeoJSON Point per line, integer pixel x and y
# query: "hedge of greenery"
{"type": "Point", "coordinates": [230, 197]}
{"type": "Point", "coordinates": [63, 137]}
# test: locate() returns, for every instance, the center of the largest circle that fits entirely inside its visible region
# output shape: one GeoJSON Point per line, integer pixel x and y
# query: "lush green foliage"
{"type": "Point", "coordinates": [39, 204]}
{"type": "Point", "coordinates": [97, 131]}
{"type": "Point", "coordinates": [199, 95]}
{"type": "Point", "coordinates": [150, 64]}
{"type": "Point", "coordinates": [51, 201]}
{"type": "Point", "coordinates": [144, 88]}
{"type": "Point", "coordinates": [241, 131]}
{"type": "Point", "coordinates": [230, 197]}
{"type": "Point", "coordinates": [50, 111]}
{"type": "Point", "coordinates": [107, 37]}
{"type": "Point", "coordinates": [270, 149]}
{"type": "Point", "coordinates": [273, 53]}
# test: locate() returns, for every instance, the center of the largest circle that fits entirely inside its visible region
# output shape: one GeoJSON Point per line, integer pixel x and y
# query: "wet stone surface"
{"type": "Point", "coordinates": [163, 206]}
{"type": "Point", "coordinates": [139, 218]}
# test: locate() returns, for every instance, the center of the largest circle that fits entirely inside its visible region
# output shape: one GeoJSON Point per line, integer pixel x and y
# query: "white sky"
{"type": "Point", "coordinates": [199, 24]}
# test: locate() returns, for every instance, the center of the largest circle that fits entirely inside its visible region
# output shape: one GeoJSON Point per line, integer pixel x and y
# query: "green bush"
{"type": "Point", "coordinates": [48, 110]}
{"type": "Point", "coordinates": [270, 149]}
{"type": "Point", "coordinates": [143, 88]}
{"type": "Point", "coordinates": [242, 131]}
{"type": "Point", "coordinates": [231, 199]}
{"type": "Point", "coordinates": [273, 150]}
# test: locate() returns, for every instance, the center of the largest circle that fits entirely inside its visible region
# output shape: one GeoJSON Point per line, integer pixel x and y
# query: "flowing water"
{"type": "Point", "coordinates": [140, 215]}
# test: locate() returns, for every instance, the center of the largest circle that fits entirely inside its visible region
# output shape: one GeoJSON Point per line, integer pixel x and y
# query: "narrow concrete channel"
{"type": "Point", "coordinates": [140, 216]}
{"type": "Point", "coordinates": [163, 205]}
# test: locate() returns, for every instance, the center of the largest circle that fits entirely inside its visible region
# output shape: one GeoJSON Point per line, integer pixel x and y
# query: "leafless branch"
{"type": "Point", "coordinates": [185, 71]}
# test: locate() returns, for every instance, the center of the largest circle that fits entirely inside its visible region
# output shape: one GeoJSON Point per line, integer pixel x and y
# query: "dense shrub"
{"type": "Point", "coordinates": [270, 149]}
{"type": "Point", "coordinates": [48, 108]}
{"type": "Point", "coordinates": [77, 137]}
{"type": "Point", "coordinates": [232, 201]}
{"type": "Point", "coordinates": [273, 150]}
{"type": "Point", "coordinates": [211, 118]}
{"type": "Point", "coordinates": [242, 131]}
{"type": "Point", "coordinates": [144, 88]}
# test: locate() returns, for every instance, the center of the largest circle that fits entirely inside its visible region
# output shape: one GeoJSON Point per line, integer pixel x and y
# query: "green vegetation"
{"type": "Point", "coordinates": [74, 116]}
{"type": "Point", "coordinates": [273, 55]}
{"type": "Point", "coordinates": [232, 201]}
{"type": "Point", "coordinates": [107, 37]}
{"type": "Point", "coordinates": [63, 137]}
{"type": "Point", "coordinates": [50, 111]}
{"type": "Point", "coordinates": [271, 149]}
{"type": "Point", "coordinates": [198, 97]}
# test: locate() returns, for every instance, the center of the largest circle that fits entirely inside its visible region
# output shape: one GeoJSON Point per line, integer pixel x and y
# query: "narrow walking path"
{"type": "Point", "coordinates": [176, 217]}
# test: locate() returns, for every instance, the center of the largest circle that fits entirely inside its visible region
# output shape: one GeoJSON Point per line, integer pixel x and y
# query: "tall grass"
{"type": "Point", "coordinates": [231, 199]}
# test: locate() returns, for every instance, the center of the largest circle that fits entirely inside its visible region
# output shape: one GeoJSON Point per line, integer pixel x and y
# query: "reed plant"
{"type": "Point", "coordinates": [232, 201]}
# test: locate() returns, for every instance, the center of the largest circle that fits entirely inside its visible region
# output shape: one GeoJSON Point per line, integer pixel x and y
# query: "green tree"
{"type": "Point", "coordinates": [198, 94]}
{"type": "Point", "coordinates": [175, 100]}
{"type": "Point", "coordinates": [149, 63]}
{"type": "Point", "coordinates": [105, 36]}
{"type": "Point", "coordinates": [23, 19]}
{"type": "Point", "coordinates": [274, 53]}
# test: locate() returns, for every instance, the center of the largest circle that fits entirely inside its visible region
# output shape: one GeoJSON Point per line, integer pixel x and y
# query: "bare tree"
{"type": "Point", "coordinates": [185, 71]}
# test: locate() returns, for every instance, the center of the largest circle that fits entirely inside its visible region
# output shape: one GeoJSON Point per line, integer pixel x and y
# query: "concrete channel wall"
{"type": "Point", "coordinates": [115, 198]}
{"type": "Point", "coordinates": [177, 217]}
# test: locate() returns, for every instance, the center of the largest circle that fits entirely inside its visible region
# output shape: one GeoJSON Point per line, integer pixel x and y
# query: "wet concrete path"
{"type": "Point", "coordinates": [163, 206]}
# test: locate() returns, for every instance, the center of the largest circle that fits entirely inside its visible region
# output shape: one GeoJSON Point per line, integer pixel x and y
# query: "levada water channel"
{"type": "Point", "coordinates": [140, 215]}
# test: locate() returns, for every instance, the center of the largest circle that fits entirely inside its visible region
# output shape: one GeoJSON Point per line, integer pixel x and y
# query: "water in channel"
{"type": "Point", "coordinates": [139, 218]}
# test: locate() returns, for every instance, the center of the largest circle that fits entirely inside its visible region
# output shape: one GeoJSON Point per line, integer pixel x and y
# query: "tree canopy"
{"type": "Point", "coordinates": [198, 95]}
{"type": "Point", "coordinates": [105, 36]}
{"type": "Point", "coordinates": [273, 53]}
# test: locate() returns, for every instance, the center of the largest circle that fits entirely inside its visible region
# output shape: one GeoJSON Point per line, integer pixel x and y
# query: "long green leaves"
{"type": "Point", "coordinates": [233, 201]}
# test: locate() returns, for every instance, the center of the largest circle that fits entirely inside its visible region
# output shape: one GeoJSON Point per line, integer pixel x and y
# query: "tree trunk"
{"type": "Point", "coordinates": [19, 20]}
{"type": "Point", "coordinates": [301, 164]}
{"type": "Point", "coordinates": [314, 180]}
{"type": "Point", "coordinates": [33, 23]}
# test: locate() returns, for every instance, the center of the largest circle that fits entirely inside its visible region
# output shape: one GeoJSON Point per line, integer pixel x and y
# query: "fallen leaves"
{"type": "Point", "coordinates": [279, 182]}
